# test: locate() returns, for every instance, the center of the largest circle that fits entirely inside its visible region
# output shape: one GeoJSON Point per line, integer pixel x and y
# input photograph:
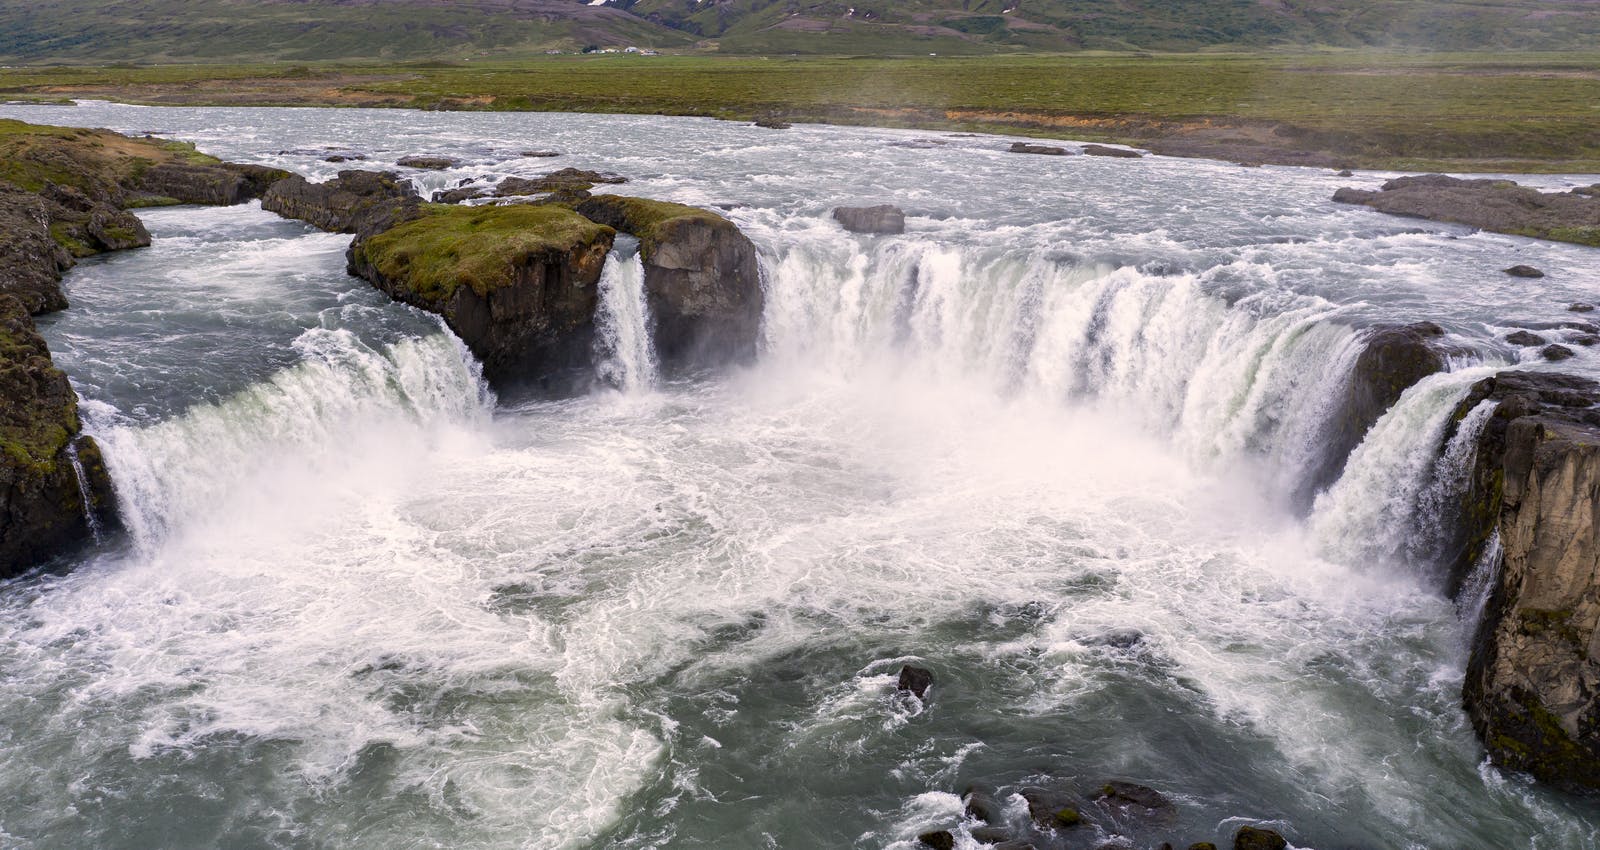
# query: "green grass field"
{"type": "Point", "coordinates": [1472, 111]}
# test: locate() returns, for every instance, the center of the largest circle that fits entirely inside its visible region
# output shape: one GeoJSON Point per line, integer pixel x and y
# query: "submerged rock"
{"type": "Point", "coordinates": [1533, 678]}
{"type": "Point", "coordinates": [1556, 352]}
{"type": "Point", "coordinates": [1127, 798]}
{"type": "Point", "coordinates": [354, 202]}
{"type": "Point", "coordinates": [1102, 150]}
{"type": "Point", "coordinates": [1524, 271]}
{"type": "Point", "coordinates": [938, 840]}
{"type": "Point", "coordinates": [45, 508]}
{"type": "Point", "coordinates": [883, 218]}
{"type": "Point", "coordinates": [517, 283]}
{"type": "Point", "coordinates": [773, 124]}
{"type": "Point", "coordinates": [1498, 205]}
{"type": "Point", "coordinates": [1255, 838]}
{"type": "Point", "coordinates": [701, 279]}
{"type": "Point", "coordinates": [1525, 338]}
{"type": "Point", "coordinates": [1044, 150]}
{"type": "Point", "coordinates": [981, 806]}
{"type": "Point", "coordinates": [1580, 307]}
{"type": "Point", "coordinates": [917, 680]}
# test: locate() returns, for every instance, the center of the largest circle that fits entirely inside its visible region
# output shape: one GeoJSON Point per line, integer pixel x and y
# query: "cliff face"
{"type": "Point", "coordinates": [354, 202]}
{"type": "Point", "coordinates": [45, 507]}
{"type": "Point", "coordinates": [518, 284]}
{"type": "Point", "coordinates": [1533, 679]}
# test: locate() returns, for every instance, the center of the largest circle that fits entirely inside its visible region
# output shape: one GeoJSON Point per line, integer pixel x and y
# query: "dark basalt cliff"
{"type": "Point", "coordinates": [517, 283]}
{"type": "Point", "coordinates": [354, 202]}
{"type": "Point", "coordinates": [43, 504]}
{"type": "Point", "coordinates": [1533, 680]}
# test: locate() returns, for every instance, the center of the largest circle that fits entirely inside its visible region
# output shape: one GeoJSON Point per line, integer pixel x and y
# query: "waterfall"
{"type": "Point", "coordinates": [1474, 595]}
{"type": "Point", "coordinates": [624, 352]}
{"type": "Point", "coordinates": [84, 495]}
{"type": "Point", "coordinates": [344, 396]}
{"type": "Point", "coordinates": [1250, 378]}
{"type": "Point", "coordinates": [1392, 503]}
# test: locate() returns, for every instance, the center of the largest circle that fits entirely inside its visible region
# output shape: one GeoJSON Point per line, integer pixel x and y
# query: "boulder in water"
{"type": "Point", "coordinates": [1130, 800]}
{"type": "Point", "coordinates": [1043, 150]}
{"type": "Point", "coordinates": [938, 840]}
{"type": "Point", "coordinates": [1525, 338]}
{"type": "Point", "coordinates": [916, 680]}
{"type": "Point", "coordinates": [1524, 271]}
{"type": "Point", "coordinates": [46, 508]}
{"type": "Point", "coordinates": [1535, 481]}
{"type": "Point", "coordinates": [540, 154]}
{"type": "Point", "coordinates": [1102, 150]}
{"type": "Point", "coordinates": [427, 163]}
{"type": "Point", "coordinates": [1556, 352]}
{"type": "Point", "coordinates": [701, 279]}
{"type": "Point", "coordinates": [517, 283]}
{"type": "Point", "coordinates": [1580, 307]}
{"type": "Point", "coordinates": [1255, 838]}
{"type": "Point", "coordinates": [883, 218]}
{"type": "Point", "coordinates": [773, 124]}
{"type": "Point", "coordinates": [981, 806]}
{"type": "Point", "coordinates": [353, 202]}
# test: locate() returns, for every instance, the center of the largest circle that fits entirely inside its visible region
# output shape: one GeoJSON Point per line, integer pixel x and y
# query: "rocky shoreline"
{"type": "Point", "coordinates": [1498, 205]}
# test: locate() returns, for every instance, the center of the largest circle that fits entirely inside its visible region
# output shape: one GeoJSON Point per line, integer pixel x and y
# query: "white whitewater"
{"type": "Point", "coordinates": [85, 498]}
{"type": "Point", "coordinates": [1053, 447]}
{"type": "Point", "coordinates": [624, 351]}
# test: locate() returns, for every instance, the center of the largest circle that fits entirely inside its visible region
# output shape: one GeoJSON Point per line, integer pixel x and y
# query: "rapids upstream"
{"type": "Point", "coordinates": [1051, 443]}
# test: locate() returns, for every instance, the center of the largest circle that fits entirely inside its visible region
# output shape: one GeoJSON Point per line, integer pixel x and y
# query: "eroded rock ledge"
{"type": "Point", "coordinates": [1498, 205]}
{"type": "Point", "coordinates": [1533, 679]}
{"type": "Point", "coordinates": [45, 508]}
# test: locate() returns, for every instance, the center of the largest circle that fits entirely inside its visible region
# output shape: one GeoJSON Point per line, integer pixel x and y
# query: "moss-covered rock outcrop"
{"type": "Point", "coordinates": [45, 507]}
{"type": "Point", "coordinates": [701, 277]}
{"type": "Point", "coordinates": [517, 283]}
{"type": "Point", "coordinates": [64, 193]}
{"type": "Point", "coordinates": [1533, 678]}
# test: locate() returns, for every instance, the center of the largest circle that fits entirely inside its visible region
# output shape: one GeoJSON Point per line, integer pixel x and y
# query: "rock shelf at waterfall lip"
{"type": "Point", "coordinates": [1502, 206]}
{"type": "Point", "coordinates": [478, 247]}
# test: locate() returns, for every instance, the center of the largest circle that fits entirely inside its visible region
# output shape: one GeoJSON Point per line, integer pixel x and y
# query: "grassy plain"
{"type": "Point", "coordinates": [1484, 112]}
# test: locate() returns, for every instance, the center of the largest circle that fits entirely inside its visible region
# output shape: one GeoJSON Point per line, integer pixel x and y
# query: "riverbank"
{"type": "Point", "coordinates": [1443, 112]}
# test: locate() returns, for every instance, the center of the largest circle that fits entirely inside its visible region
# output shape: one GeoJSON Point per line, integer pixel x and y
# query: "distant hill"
{"type": "Point", "coordinates": [36, 31]}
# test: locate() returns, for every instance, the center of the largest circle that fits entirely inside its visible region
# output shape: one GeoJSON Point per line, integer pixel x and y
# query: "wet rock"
{"type": "Point", "coordinates": [1498, 205]}
{"type": "Point", "coordinates": [1129, 799]}
{"type": "Point", "coordinates": [1346, 173]}
{"type": "Point", "coordinates": [702, 282]}
{"type": "Point", "coordinates": [1102, 150]}
{"type": "Point", "coordinates": [353, 202]}
{"type": "Point", "coordinates": [938, 840]}
{"type": "Point", "coordinates": [991, 834]}
{"type": "Point", "coordinates": [1580, 307]}
{"type": "Point", "coordinates": [1392, 359]}
{"type": "Point", "coordinates": [772, 124]}
{"type": "Point", "coordinates": [42, 508]}
{"type": "Point", "coordinates": [883, 218]}
{"type": "Point", "coordinates": [518, 284]}
{"type": "Point", "coordinates": [1014, 844]}
{"type": "Point", "coordinates": [1525, 338]}
{"type": "Point", "coordinates": [1255, 838]}
{"type": "Point", "coordinates": [1523, 271]}
{"type": "Point", "coordinates": [345, 157]}
{"type": "Point", "coordinates": [982, 806]}
{"type": "Point", "coordinates": [1066, 817]}
{"type": "Point", "coordinates": [1556, 352]}
{"type": "Point", "coordinates": [1203, 845]}
{"type": "Point", "coordinates": [566, 178]}
{"type": "Point", "coordinates": [1044, 150]}
{"type": "Point", "coordinates": [427, 163]}
{"type": "Point", "coordinates": [257, 178]}
{"type": "Point", "coordinates": [917, 680]}
{"type": "Point", "coordinates": [1535, 481]}
{"type": "Point", "coordinates": [540, 154]}
{"type": "Point", "coordinates": [1585, 340]}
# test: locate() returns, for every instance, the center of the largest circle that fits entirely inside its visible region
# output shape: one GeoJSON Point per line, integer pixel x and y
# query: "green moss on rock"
{"type": "Point", "coordinates": [479, 247]}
